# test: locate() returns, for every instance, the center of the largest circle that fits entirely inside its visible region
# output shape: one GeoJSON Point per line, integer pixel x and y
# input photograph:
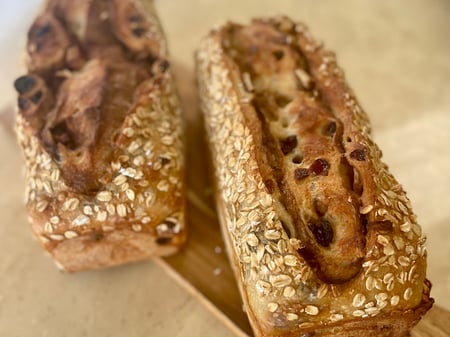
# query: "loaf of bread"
{"type": "Point", "coordinates": [100, 125]}
{"type": "Point", "coordinates": [321, 236]}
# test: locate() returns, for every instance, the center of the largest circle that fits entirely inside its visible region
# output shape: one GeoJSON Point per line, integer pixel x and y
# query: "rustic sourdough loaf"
{"type": "Point", "coordinates": [321, 236]}
{"type": "Point", "coordinates": [100, 126]}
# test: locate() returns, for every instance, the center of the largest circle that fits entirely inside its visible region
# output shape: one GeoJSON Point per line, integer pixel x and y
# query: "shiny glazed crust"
{"type": "Point", "coordinates": [321, 236]}
{"type": "Point", "coordinates": [100, 126]}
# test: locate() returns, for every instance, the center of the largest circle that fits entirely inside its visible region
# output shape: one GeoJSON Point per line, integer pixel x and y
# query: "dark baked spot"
{"type": "Point", "coordinates": [364, 223]}
{"type": "Point", "coordinates": [163, 240]}
{"type": "Point", "coordinates": [349, 139]}
{"type": "Point", "coordinates": [22, 103]}
{"type": "Point", "coordinates": [170, 225]}
{"type": "Point", "coordinates": [301, 173]}
{"type": "Point", "coordinates": [270, 184]}
{"type": "Point", "coordinates": [278, 54]}
{"type": "Point", "coordinates": [63, 135]}
{"type": "Point", "coordinates": [41, 31]}
{"type": "Point", "coordinates": [297, 159]}
{"type": "Point", "coordinates": [319, 167]}
{"type": "Point", "coordinates": [330, 129]}
{"type": "Point", "coordinates": [151, 58]}
{"type": "Point", "coordinates": [358, 154]}
{"type": "Point", "coordinates": [138, 32]}
{"type": "Point", "coordinates": [24, 84]}
{"type": "Point", "coordinates": [164, 161]}
{"type": "Point", "coordinates": [36, 97]}
{"type": "Point", "coordinates": [288, 144]}
{"type": "Point", "coordinates": [322, 231]}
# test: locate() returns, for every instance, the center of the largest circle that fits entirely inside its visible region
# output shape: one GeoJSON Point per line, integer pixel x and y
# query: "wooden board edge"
{"type": "Point", "coordinates": [200, 297]}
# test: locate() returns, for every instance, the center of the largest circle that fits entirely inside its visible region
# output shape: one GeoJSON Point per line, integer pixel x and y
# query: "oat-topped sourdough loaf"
{"type": "Point", "coordinates": [100, 126]}
{"type": "Point", "coordinates": [321, 236]}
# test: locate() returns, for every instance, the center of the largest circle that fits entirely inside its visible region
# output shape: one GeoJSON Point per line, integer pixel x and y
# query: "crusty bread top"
{"type": "Point", "coordinates": [286, 289]}
{"type": "Point", "coordinates": [100, 124]}
{"type": "Point", "coordinates": [300, 152]}
{"type": "Point", "coordinates": [87, 60]}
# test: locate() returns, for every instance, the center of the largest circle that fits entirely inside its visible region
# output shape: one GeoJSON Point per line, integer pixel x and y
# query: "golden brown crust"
{"type": "Point", "coordinates": [300, 151]}
{"type": "Point", "coordinates": [362, 272]}
{"type": "Point", "coordinates": [100, 125]}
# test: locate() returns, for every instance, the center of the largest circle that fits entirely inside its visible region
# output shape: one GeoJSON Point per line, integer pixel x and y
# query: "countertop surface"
{"type": "Point", "coordinates": [396, 56]}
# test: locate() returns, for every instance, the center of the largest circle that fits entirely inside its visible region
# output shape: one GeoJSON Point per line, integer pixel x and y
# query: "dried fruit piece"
{"type": "Point", "coordinates": [24, 84]}
{"type": "Point", "coordinates": [301, 173]}
{"type": "Point", "coordinates": [323, 232]}
{"type": "Point", "coordinates": [319, 167]}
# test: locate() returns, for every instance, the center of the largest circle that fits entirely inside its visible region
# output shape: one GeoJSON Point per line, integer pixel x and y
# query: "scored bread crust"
{"type": "Point", "coordinates": [284, 291]}
{"type": "Point", "coordinates": [108, 189]}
